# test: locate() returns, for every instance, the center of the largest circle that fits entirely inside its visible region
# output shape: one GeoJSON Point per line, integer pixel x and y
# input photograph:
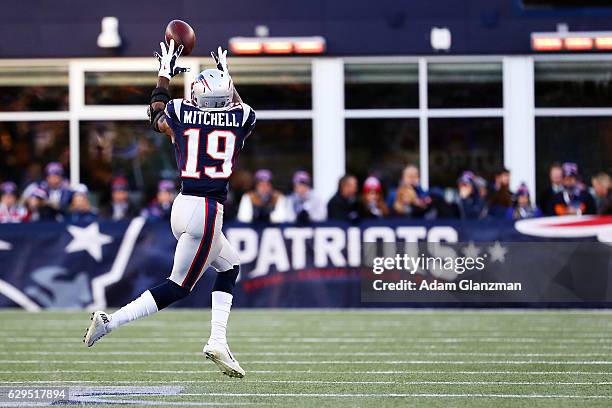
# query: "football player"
{"type": "Point", "coordinates": [208, 133]}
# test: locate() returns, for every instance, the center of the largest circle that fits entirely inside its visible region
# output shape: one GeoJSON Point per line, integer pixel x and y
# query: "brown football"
{"type": "Point", "coordinates": [182, 34]}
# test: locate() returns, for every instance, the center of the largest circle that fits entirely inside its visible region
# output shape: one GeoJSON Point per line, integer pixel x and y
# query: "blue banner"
{"type": "Point", "coordinates": [107, 264]}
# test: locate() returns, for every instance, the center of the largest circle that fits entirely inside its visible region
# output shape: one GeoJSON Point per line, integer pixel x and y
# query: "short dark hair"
{"type": "Point", "coordinates": [344, 179]}
{"type": "Point", "coordinates": [501, 170]}
{"type": "Point", "coordinates": [555, 164]}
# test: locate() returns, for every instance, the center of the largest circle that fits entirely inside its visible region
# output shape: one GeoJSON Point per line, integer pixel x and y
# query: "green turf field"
{"type": "Point", "coordinates": [325, 358]}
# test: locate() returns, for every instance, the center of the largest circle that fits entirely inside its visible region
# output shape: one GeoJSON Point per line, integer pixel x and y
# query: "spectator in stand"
{"type": "Point", "coordinates": [344, 205]}
{"type": "Point", "coordinates": [372, 202]}
{"type": "Point", "coordinates": [56, 186]}
{"type": "Point", "coordinates": [469, 204]}
{"type": "Point", "coordinates": [409, 199]}
{"type": "Point", "coordinates": [555, 176]}
{"type": "Point", "coordinates": [573, 200]}
{"type": "Point", "coordinates": [405, 201]}
{"type": "Point", "coordinates": [602, 192]}
{"type": "Point", "coordinates": [263, 203]}
{"type": "Point", "coordinates": [500, 197]}
{"type": "Point", "coordinates": [439, 207]}
{"type": "Point", "coordinates": [120, 208]}
{"type": "Point", "coordinates": [522, 205]}
{"type": "Point", "coordinates": [37, 207]}
{"type": "Point", "coordinates": [303, 206]}
{"type": "Point", "coordinates": [161, 207]}
{"type": "Point", "coordinates": [481, 185]}
{"type": "Point", "coordinates": [81, 210]}
{"type": "Point", "coordinates": [10, 210]}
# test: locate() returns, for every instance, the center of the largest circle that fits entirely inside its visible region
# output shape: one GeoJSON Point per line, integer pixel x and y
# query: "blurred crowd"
{"type": "Point", "coordinates": [53, 199]}
{"type": "Point", "coordinates": [473, 198]}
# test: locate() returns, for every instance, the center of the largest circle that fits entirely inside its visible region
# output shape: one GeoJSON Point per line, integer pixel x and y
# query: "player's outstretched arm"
{"type": "Point", "coordinates": [220, 59]}
{"type": "Point", "coordinates": [160, 96]}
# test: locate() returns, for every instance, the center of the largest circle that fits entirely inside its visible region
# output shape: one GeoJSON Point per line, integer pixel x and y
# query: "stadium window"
{"type": "Point", "coordinates": [124, 148]}
{"type": "Point", "coordinates": [282, 146]}
{"type": "Point", "coordinates": [457, 145]}
{"type": "Point", "coordinates": [465, 85]}
{"type": "Point", "coordinates": [381, 147]}
{"type": "Point", "coordinates": [273, 85]}
{"type": "Point", "coordinates": [33, 88]}
{"type": "Point", "coordinates": [381, 86]}
{"type": "Point", "coordinates": [26, 147]}
{"type": "Point", "coordinates": [124, 88]}
{"type": "Point", "coordinates": [586, 141]}
{"type": "Point", "coordinates": [573, 84]}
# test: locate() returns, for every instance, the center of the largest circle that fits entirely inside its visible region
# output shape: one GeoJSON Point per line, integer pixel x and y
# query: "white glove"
{"type": "Point", "coordinates": [167, 60]}
{"type": "Point", "coordinates": [220, 59]}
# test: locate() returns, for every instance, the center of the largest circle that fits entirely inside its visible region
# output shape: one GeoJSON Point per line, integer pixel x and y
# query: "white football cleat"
{"type": "Point", "coordinates": [97, 328]}
{"type": "Point", "coordinates": [221, 355]}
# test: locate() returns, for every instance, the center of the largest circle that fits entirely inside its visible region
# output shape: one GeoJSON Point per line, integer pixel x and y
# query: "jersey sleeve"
{"type": "Point", "coordinates": [173, 111]}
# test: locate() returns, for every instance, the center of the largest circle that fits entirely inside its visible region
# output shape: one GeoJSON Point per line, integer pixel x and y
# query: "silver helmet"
{"type": "Point", "coordinates": [212, 88]}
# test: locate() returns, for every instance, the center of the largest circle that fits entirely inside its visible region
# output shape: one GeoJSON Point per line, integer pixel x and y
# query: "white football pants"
{"type": "Point", "coordinates": [196, 224]}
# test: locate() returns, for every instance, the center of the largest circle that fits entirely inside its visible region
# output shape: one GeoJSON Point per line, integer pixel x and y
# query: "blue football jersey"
{"type": "Point", "coordinates": [207, 143]}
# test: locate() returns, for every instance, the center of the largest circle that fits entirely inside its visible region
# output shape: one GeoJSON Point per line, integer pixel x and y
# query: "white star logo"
{"type": "Point", "coordinates": [88, 239]}
{"type": "Point", "coordinates": [497, 252]}
{"type": "Point", "coordinates": [471, 251]}
{"type": "Point", "coordinates": [5, 246]}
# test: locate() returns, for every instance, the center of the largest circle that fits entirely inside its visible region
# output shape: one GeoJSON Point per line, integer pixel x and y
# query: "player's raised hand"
{"type": "Point", "coordinates": [168, 59]}
{"type": "Point", "coordinates": [220, 59]}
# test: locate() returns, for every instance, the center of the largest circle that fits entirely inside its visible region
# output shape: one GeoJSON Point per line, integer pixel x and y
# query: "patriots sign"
{"type": "Point", "coordinates": [107, 264]}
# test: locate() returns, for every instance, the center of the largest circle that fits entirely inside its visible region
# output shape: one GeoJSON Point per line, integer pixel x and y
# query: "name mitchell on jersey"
{"type": "Point", "coordinates": [210, 118]}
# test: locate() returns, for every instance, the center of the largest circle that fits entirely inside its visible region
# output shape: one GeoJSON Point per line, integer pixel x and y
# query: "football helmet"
{"type": "Point", "coordinates": [212, 88]}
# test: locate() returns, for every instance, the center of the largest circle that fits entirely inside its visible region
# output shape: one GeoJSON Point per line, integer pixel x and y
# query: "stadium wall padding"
{"type": "Point", "coordinates": [110, 263]}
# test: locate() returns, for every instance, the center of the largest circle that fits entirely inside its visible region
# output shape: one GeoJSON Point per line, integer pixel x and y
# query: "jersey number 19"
{"type": "Point", "coordinates": [213, 149]}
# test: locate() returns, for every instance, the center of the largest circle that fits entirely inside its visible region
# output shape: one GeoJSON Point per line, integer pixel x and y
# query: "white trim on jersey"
{"type": "Point", "coordinates": [178, 103]}
{"type": "Point", "coordinates": [246, 109]}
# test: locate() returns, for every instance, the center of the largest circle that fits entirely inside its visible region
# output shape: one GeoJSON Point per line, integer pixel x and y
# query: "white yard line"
{"type": "Point", "coordinates": [376, 372]}
{"type": "Point", "coordinates": [522, 349]}
{"type": "Point", "coordinates": [319, 340]}
{"type": "Point", "coordinates": [309, 353]}
{"type": "Point", "coordinates": [310, 362]}
{"type": "Point", "coordinates": [127, 382]}
{"type": "Point", "coordinates": [297, 334]}
{"type": "Point", "coordinates": [398, 344]}
{"type": "Point", "coordinates": [170, 329]}
{"type": "Point", "coordinates": [450, 362]}
{"type": "Point", "coordinates": [396, 395]}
